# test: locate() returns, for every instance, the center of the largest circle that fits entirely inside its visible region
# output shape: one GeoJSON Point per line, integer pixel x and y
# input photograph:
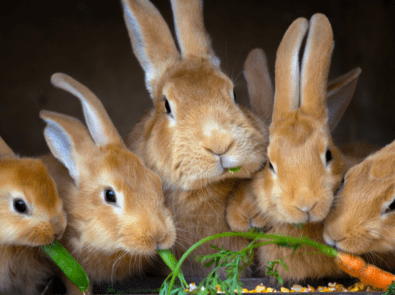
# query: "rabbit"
{"type": "Point", "coordinates": [32, 215]}
{"type": "Point", "coordinates": [304, 167]}
{"type": "Point", "coordinates": [196, 131]}
{"type": "Point", "coordinates": [242, 212]}
{"type": "Point", "coordinates": [117, 218]}
{"type": "Point", "coordinates": [362, 219]}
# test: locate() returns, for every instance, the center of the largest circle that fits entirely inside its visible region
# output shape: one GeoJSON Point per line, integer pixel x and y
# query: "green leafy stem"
{"type": "Point", "coordinates": [280, 240]}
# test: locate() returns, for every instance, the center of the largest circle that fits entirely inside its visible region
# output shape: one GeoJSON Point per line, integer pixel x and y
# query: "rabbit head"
{"type": "Point", "coordinates": [196, 131]}
{"type": "Point", "coordinates": [31, 211]}
{"type": "Point", "coordinates": [242, 205]}
{"type": "Point", "coordinates": [363, 218]}
{"type": "Point", "coordinates": [116, 203]}
{"type": "Point", "coordinates": [304, 168]}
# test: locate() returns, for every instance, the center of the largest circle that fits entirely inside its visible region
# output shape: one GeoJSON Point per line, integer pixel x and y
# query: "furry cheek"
{"type": "Point", "coordinates": [323, 207]}
{"type": "Point", "coordinates": [268, 194]}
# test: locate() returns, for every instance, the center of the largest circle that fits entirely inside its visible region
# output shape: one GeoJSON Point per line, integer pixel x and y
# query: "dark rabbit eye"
{"type": "Point", "coordinates": [110, 196]}
{"type": "Point", "coordinates": [167, 106]}
{"type": "Point", "coordinates": [328, 156]}
{"type": "Point", "coordinates": [20, 206]}
{"type": "Point", "coordinates": [271, 167]}
{"type": "Point", "coordinates": [392, 206]}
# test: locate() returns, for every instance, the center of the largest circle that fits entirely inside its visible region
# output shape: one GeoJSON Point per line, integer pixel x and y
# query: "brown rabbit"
{"type": "Point", "coordinates": [242, 211]}
{"type": "Point", "coordinates": [305, 168]}
{"type": "Point", "coordinates": [117, 218]}
{"type": "Point", "coordinates": [31, 215]}
{"type": "Point", "coordinates": [362, 220]}
{"type": "Point", "coordinates": [196, 131]}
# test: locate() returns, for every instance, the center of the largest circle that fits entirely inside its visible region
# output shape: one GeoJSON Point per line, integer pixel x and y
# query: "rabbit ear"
{"type": "Point", "coordinates": [151, 39]}
{"type": "Point", "coordinates": [259, 84]}
{"type": "Point", "coordinates": [69, 140]}
{"type": "Point", "coordinates": [5, 150]}
{"type": "Point", "coordinates": [340, 91]}
{"type": "Point", "coordinates": [191, 34]}
{"type": "Point", "coordinates": [315, 66]}
{"type": "Point", "coordinates": [286, 97]}
{"type": "Point", "coordinates": [99, 123]}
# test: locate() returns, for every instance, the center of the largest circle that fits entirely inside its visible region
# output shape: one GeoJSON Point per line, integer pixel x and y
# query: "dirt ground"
{"type": "Point", "coordinates": [88, 40]}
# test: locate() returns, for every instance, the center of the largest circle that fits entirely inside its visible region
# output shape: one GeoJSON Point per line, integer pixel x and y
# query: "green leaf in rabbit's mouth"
{"type": "Point", "coordinates": [234, 169]}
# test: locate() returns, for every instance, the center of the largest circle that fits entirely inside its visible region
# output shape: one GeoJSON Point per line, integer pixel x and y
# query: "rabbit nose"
{"type": "Point", "coordinates": [219, 148]}
{"type": "Point", "coordinates": [306, 209]}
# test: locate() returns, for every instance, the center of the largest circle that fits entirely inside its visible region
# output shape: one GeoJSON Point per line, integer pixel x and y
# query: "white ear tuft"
{"type": "Point", "coordinates": [99, 123]}
{"type": "Point", "coordinates": [61, 146]}
{"type": "Point", "coordinates": [151, 39]}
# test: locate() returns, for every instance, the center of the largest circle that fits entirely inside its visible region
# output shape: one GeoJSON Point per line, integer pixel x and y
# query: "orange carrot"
{"type": "Point", "coordinates": [365, 272]}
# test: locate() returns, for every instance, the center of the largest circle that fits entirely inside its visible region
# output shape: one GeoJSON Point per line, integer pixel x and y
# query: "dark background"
{"type": "Point", "coordinates": [88, 40]}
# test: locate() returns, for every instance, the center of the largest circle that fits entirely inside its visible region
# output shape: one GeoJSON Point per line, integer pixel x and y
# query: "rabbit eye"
{"type": "Point", "coordinates": [20, 206]}
{"type": "Point", "coordinates": [110, 196]}
{"type": "Point", "coordinates": [167, 106]}
{"type": "Point", "coordinates": [271, 167]}
{"type": "Point", "coordinates": [390, 208]}
{"type": "Point", "coordinates": [328, 156]}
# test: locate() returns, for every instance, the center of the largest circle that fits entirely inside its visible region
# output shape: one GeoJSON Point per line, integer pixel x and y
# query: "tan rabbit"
{"type": "Point", "coordinates": [31, 215]}
{"type": "Point", "coordinates": [242, 211]}
{"type": "Point", "coordinates": [305, 168]}
{"type": "Point", "coordinates": [195, 131]}
{"type": "Point", "coordinates": [362, 220]}
{"type": "Point", "coordinates": [116, 212]}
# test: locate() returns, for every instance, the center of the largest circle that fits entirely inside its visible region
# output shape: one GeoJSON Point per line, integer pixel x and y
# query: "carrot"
{"type": "Point", "coordinates": [365, 272]}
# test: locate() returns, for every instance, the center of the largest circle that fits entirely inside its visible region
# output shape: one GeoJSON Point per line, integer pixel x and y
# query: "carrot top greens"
{"type": "Point", "coordinates": [390, 289]}
{"type": "Point", "coordinates": [235, 261]}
